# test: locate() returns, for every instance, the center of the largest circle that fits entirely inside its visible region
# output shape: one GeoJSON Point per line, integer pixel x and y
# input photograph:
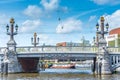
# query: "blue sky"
{"type": "Point", "coordinates": [77, 19]}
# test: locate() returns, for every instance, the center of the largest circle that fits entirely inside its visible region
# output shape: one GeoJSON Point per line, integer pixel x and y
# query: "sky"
{"type": "Point", "coordinates": [56, 21]}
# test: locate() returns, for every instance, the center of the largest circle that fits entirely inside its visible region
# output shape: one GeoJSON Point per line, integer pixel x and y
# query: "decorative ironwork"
{"type": "Point", "coordinates": [10, 30]}
{"type": "Point", "coordinates": [102, 32]}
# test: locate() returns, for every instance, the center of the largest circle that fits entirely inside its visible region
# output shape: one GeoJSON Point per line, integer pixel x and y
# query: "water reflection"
{"type": "Point", "coordinates": [58, 76]}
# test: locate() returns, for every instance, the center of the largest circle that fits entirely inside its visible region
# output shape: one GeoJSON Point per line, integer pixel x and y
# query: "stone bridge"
{"type": "Point", "coordinates": [73, 53]}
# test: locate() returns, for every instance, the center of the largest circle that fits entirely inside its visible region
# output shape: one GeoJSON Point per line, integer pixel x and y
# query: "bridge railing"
{"type": "Point", "coordinates": [56, 49]}
{"type": "Point", "coordinates": [59, 49]}
{"type": "Point", "coordinates": [114, 49]}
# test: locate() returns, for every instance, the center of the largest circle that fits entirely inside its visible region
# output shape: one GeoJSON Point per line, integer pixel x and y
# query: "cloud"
{"type": "Point", "coordinates": [53, 5]}
{"type": "Point", "coordinates": [43, 37]}
{"type": "Point", "coordinates": [30, 25]}
{"type": "Point", "coordinates": [92, 18]}
{"type": "Point", "coordinates": [109, 2]}
{"type": "Point", "coordinates": [87, 12]}
{"type": "Point", "coordinates": [33, 11]}
{"type": "Point", "coordinates": [50, 4]}
{"type": "Point", "coordinates": [46, 39]}
{"type": "Point", "coordinates": [3, 40]}
{"type": "Point", "coordinates": [69, 25]}
{"type": "Point", "coordinates": [3, 19]}
{"type": "Point", "coordinates": [113, 19]}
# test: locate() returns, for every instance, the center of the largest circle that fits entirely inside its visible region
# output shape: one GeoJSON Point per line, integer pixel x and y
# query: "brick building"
{"type": "Point", "coordinates": [61, 44]}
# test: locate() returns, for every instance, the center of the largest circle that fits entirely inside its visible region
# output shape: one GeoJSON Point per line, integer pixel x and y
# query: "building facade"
{"type": "Point", "coordinates": [113, 40]}
{"type": "Point", "coordinates": [85, 43]}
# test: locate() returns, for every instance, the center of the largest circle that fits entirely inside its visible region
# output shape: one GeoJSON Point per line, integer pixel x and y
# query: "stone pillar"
{"type": "Point", "coordinates": [116, 59]}
{"type": "Point", "coordinates": [103, 58]}
{"type": "Point", "coordinates": [11, 45]}
{"type": "Point", "coordinates": [114, 62]}
{"type": "Point", "coordinates": [13, 63]}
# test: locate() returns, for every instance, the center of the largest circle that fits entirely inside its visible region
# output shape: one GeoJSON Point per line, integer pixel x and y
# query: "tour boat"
{"type": "Point", "coordinates": [63, 66]}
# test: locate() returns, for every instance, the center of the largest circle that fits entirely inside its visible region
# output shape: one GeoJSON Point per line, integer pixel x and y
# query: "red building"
{"type": "Point", "coordinates": [115, 31]}
{"type": "Point", "coordinates": [61, 44]}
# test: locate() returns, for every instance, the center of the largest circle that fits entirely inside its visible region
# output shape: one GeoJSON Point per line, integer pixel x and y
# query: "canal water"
{"type": "Point", "coordinates": [60, 74]}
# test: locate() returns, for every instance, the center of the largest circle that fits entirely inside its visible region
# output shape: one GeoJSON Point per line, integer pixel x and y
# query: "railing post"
{"type": "Point", "coordinates": [116, 59]}
{"type": "Point", "coordinates": [113, 60]}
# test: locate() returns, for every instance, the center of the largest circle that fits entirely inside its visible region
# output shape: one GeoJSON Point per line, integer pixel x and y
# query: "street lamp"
{"type": "Point", "coordinates": [35, 40]}
{"type": "Point", "coordinates": [102, 32]}
{"type": "Point", "coordinates": [7, 27]}
{"type": "Point", "coordinates": [107, 26]}
{"type": "Point", "coordinates": [97, 26]}
{"type": "Point", "coordinates": [16, 27]}
{"type": "Point", "coordinates": [10, 31]}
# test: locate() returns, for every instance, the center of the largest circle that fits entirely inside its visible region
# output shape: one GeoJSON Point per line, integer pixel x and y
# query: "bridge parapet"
{"type": "Point", "coordinates": [56, 49]}
{"type": "Point", "coordinates": [114, 49]}
{"type": "Point", "coordinates": [60, 49]}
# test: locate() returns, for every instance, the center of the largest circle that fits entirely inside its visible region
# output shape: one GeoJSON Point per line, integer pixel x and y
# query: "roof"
{"type": "Point", "coordinates": [115, 31]}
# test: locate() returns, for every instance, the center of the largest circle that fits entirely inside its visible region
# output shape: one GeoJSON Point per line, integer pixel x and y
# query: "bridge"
{"type": "Point", "coordinates": [17, 59]}
{"type": "Point", "coordinates": [74, 53]}
{"type": "Point", "coordinates": [64, 53]}
{"type": "Point", "coordinates": [57, 52]}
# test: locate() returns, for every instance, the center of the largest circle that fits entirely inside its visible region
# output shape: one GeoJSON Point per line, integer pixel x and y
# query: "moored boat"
{"type": "Point", "coordinates": [82, 66]}
{"type": "Point", "coordinates": [63, 66]}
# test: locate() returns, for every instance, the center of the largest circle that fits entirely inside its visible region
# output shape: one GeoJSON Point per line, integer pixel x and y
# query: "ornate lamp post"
{"type": "Point", "coordinates": [10, 31]}
{"type": "Point", "coordinates": [35, 40]}
{"type": "Point", "coordinates": [102, 31]}
{"type": "Point", "coordinates": [13, 66]}
{"type": "Point", "coordinates": [103, 58]}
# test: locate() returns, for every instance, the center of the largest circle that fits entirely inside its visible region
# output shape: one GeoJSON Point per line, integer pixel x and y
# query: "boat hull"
{"type": "Point", "coordinates": [64, 66]}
